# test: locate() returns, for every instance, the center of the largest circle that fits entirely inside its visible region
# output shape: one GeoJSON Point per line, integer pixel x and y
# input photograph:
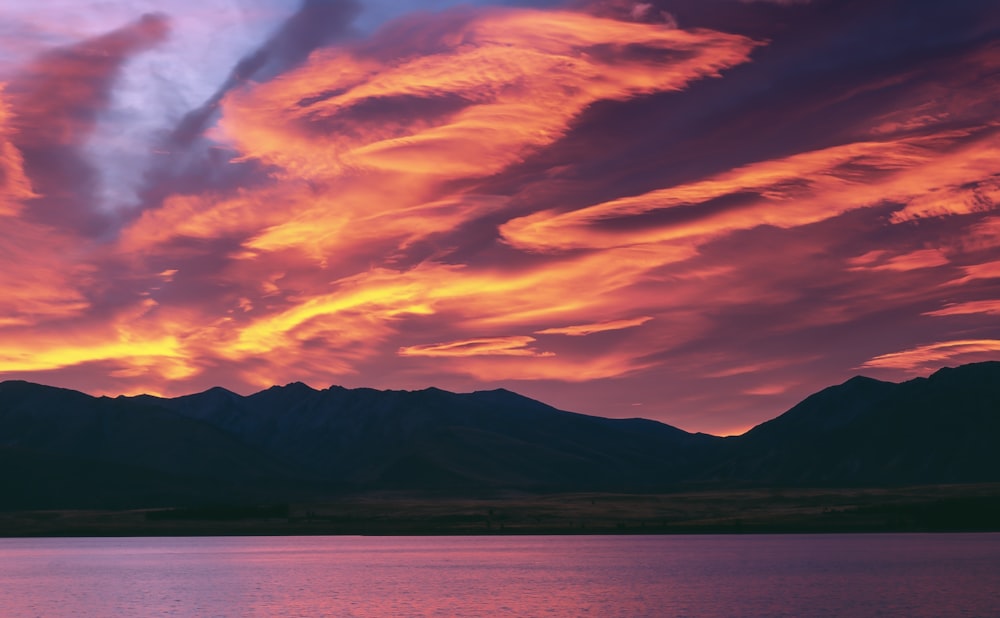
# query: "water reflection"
{"type": "Point", "coordinates": [794, 575]}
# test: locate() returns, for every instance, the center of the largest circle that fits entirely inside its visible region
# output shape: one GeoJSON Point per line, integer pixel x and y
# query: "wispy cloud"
{"type": "Point", "coordinates": [987, 307]}
{"type": "Point", "coordinates": [913, 260]}
{"type": "Point", "coordinates": [493, 346]}
{"type": "Point", "coordinates": [921, 358]}
{"type": "Point", "coordinates": [581, 330]}
{"type": "Point", "coordinates": [713, 208]}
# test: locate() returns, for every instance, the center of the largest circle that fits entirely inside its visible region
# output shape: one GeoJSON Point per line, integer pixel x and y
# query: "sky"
{"type": "Point", "coordinates": [695, 211]}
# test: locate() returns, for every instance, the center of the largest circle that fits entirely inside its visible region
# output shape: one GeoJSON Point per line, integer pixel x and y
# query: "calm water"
{"type": "Point", "coordinates": [809, 575]}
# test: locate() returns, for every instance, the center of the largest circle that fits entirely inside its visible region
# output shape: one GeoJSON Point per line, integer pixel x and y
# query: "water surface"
{"type": "Point", "coordinates": [911, 575]}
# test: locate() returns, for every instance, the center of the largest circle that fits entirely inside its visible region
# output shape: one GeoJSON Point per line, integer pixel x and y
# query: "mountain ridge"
{"type": "Point", "coordinates": [293, 441]}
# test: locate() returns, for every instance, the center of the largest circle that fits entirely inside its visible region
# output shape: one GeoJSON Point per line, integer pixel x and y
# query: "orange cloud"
{"type": "Point", "coordinates": [473, 300]}
{"type": "Point", "coordinates": [987, 307]}
{"type": "Point", "coordinates": [486, 98]}
{"type": "Point", "coordinates": [589, 329]}
{"type": "Point", "coordinates": [492, 81]}
{"type": "Point", "coordinates": [468, 196]}
{"type": "Point", "coordinates": [790, 192]}
{"type": "Point", "coordinates": [343, 222]}
{"type": "Point", "coordinates": [765, 390]}
{"type": "Point", "coordinates": [986, 270]}
{"type": "Point", "coordinates": [983, 236]}
{"type": "Point", "coordinates": [14, 184]}
{"type": "Point", "coordinates": [541, 366]}
{"type": "Point", "coordinates": [876, 260]}
{"type": "Point", "coordinates": [42, 280]}
{"type": "Point", "coordinates": [375, 184]}
{"type": "Point", "coordinates": [921, 358]}
{"type": "Point", "coordinates": [752, 368]}
{"type": "Point", "coordinates": [355, 164]}
{"type": "Point", "coordinates": [978, 193]}
{"type": "Point", "coordinates": [489, 346]}
{"type": "Point", "coordinates": [331, 333]}
{"type": "Point", "coordinates": [127, 344]}
{"type": "Point", "coordinates": [201, 216]}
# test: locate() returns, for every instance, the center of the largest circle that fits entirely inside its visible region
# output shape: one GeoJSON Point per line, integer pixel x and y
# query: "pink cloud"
{"type": "Point", "coordinates": [921, 358]}
{"type": "Point", "coordinates": [877, 260]}
{"type": "Point", "coordinates": [490, 346]}
{"type": "Point", "coordinates": [986, 307]}
{"type": "Point", "coordinates": [599, 327]}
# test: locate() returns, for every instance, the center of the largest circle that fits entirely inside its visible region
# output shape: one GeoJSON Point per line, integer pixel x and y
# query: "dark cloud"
{"type": "Point", "coordinates": [417, 34]}
{"type": "Point", "coordinates": [316, 23]}
{"type": "Point", "coordinates": [190, 164]}
{"type": "Point", "coordinates": [58, 100]}
{"type": "Point", "coordinates": [827, 72]}
{"type": "Point", "coordinates": [394, 116]}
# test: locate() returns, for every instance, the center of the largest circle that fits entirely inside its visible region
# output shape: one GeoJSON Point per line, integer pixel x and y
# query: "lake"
{"type": "Point", "coordinates": [909, 575]}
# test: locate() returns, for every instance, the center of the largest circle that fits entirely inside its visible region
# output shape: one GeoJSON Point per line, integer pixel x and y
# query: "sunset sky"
{"type": "Point", "coordinates": [696, 211]}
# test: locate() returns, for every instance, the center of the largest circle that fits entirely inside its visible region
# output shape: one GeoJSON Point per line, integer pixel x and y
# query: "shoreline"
{"type": "Point", "coordinates": [934, 508]}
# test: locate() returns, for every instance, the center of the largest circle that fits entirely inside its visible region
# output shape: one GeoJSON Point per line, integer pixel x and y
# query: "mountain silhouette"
{"type": "Point", "coordinates": [64, 449]}
{"type": "Point", "coordinates": [941, 429]}
{"type": "Point", "coordinates": [437, 439]}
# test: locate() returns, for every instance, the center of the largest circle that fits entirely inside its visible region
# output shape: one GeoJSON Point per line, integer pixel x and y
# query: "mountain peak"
{"type": "Point", "coordinates": [294, 387]}
{"type": "Point", "coordinates": [983, 368]}
{"type": "Point", "coordinates": [501, 391]}
{"type": "Point", "coordinates": [218, 390]}
{"type": "Point", "coordinates": [860, 379]}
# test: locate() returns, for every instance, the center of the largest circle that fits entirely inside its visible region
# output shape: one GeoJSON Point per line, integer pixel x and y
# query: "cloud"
{"type": "Point", "coordinates": [789, 192]}
{"type": "Point", "coordinates": [490, 346]}
{"type": "Point", "coordinates": [589, 329]}
{"type": "Point", "coordinates": [974, 195]}
{"type": "Point", "coordinates": [919, 359]}
{"type": "Point", "coordinates": [364, 144]}
{"type": "Point", "coordinates": [765, 390]}
{"type": "Point", "coordinates": [986, 270]}
{"type": "Point", "coordinates": [595, 204]}
{"type": "Point", "coordinates": [160, 353]}
{"type": "Point", "coordinates": [368, 206]}
{"type": "Point", "coordinates": [877, 260]}
{"type": "Point", "coordinates": [315, 24]}
{"type": "Point", "coordinates": [60, 95]}
{"type": "Point", "coordinates": [628, 10]}
{"type": "Point", "coordinates": [496, 64]}
{"type": "Point", "coordinates": [532, 367]}
{"type": "Point", "coordinates": [985, 307]}
{"type": "Point", "coordinates": [55, 103]}
{"type": "Point", "coordinates": [38, 284]}
{"type": "Point", "coordinates": [14, 184]}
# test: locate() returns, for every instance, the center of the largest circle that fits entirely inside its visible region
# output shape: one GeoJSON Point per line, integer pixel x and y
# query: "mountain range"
{"type": "Point", "coordinates": [63, 449]}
